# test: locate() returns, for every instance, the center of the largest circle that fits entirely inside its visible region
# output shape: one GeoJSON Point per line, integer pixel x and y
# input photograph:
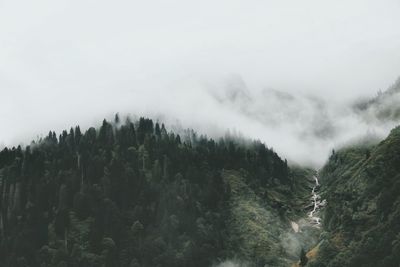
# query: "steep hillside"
{"type": "Point", "coordinates": [362, 219]}
{"type": "Point", "coordinates": [258, 225]}
{"type": "Point", "coordinates": [133, 194]}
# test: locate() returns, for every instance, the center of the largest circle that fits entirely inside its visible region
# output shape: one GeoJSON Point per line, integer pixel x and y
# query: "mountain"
{"type": "Point", "coordinates": [137, 194]}
{"type": "Point", "coordinates": [362, 187]}
{"type": "Point", "coordinates": [134, 194]}
{"type": "Point", "coordinates": [382, 108]}
{"type": "Point", "coordinates": [273, 109]}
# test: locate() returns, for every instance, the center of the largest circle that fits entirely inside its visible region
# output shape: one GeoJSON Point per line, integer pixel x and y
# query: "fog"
{"type": "Point", "coordinates": [285, 72]}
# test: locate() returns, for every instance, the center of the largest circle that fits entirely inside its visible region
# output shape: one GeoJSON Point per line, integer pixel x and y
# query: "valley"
{"type": "Point", "coordinates": [136, 194]}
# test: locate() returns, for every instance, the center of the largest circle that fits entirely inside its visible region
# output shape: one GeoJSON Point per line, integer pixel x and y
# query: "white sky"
{"type": "Point", "coordinates": [67, 62]}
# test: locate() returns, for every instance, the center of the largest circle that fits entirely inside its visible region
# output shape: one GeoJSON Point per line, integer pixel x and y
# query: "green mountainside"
{"type": "Point", "coordinates": [258, 223]}
{"type": "Point", "coordinates": [133, 194]}
{"type": "Point", "coordinates": [362, 187]}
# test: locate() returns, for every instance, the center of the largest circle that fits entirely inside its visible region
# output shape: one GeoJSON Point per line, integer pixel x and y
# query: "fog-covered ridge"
{"type": "Point", "coordinates": [175, 60]}
{"type": "Point", "coordinates": [302, 127]}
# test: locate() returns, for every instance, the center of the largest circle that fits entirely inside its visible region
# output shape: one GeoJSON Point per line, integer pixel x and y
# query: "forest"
{"type": "Point", "coordinates": [129, 193]}
{"type": "Point", "coordinates": [362, 219]}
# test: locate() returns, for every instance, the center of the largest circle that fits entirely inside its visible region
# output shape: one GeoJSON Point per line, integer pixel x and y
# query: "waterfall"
{"type": "Point", "coordinates": [316, 203]}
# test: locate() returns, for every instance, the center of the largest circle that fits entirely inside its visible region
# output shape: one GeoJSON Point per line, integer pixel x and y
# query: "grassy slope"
{"type": "Point", "coordinates": [259, 230]}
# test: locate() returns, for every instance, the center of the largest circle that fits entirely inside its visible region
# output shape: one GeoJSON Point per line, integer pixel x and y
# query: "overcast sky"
{"type": "Point", "coordinates": [69, 62]}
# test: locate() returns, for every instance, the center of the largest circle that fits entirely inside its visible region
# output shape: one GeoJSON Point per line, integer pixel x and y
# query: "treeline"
{"type": "Point", "coordinates": [126, 194]}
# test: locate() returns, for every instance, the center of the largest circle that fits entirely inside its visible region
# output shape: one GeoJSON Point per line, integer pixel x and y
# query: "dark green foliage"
{"type": "Point", "coordinates": [303, 258]}
{"type": "Point", "coordinates": [362, 188]}
{"type": "Point", "coordinates": [123, 195]}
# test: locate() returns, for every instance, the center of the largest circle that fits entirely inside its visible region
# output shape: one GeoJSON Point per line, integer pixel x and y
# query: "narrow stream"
{"type": "Point", "coordinates": [316, 204]}
{"type": "Point", "coordinates": [308, 229]}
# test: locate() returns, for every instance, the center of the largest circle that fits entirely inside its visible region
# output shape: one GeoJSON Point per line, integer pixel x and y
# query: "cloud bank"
{"type": "Point", "coordinates": [209, 65]}
{"type": "Point", "coordinates": [301, 127]}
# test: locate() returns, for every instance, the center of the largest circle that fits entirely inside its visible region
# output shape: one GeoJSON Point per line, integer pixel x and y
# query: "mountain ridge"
{"type": "Point", "coordinates": [134, 194]}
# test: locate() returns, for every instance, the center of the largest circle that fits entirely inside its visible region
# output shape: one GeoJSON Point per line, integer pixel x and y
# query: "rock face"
{"type": "Point", "coordinates": [362, 187]}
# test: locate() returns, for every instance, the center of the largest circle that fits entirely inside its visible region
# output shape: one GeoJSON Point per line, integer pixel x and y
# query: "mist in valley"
{"type": "Point", "coordinates": [305, 78]}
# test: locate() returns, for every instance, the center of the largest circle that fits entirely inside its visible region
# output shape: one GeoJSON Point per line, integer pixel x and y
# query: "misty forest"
{"type": "Point", "coordinates": [230, 133]}
{"type": "Point", "coordinates": [133, 193]}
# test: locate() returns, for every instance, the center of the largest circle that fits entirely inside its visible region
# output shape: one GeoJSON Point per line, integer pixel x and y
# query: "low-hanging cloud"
{"type": "Point", "coordinates": [301, 127]}
{"type": "Point", "coordinates": [208, 65]}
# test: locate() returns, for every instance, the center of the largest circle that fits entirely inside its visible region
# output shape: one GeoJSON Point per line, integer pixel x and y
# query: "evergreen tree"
{"type": "Point", "coordinates": [124, 194]}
